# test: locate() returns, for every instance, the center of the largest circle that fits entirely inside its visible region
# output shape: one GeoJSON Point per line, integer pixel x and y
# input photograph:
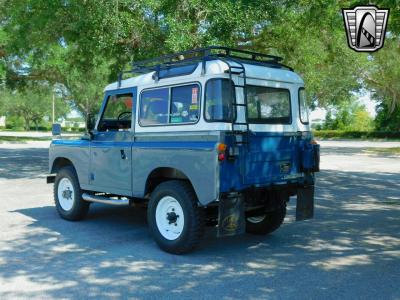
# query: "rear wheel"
{"type": "Point", "coordinates": [175, 220]}
{"type": "Point", "coordinates": [266, 223]}
{"type": "Point", "coordinates": [68, 195]}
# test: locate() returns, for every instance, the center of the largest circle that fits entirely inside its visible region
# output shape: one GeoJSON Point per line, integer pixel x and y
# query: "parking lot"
{"type": "Point", "coordinates": [350, 250]}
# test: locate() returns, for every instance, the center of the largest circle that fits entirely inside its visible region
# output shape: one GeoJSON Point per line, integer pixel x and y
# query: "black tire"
{"type": "Point", "coordinates": [79, 207]}
{"type": "Point", "coordinates": [193, 224]}
{"type": "Point", "coordinates": [271, 222]}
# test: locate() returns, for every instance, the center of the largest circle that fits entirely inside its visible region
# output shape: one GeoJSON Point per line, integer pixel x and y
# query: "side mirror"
{"type": "Point", "coordinates": [90, 123]}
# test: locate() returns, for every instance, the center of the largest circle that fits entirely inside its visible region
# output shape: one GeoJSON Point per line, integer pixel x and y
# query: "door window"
{"type": "Point", "coordinates": [117, 115]}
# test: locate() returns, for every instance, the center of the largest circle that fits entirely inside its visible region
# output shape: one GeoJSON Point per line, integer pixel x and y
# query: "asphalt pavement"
{"type": "Point", "coordinates": [350, 250]}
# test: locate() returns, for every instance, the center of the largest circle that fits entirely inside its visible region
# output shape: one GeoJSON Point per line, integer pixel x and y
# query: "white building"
{"type": "Point", "coordinates": [72, 124]}
{"type": "Point", "coordinates": [2, 121]}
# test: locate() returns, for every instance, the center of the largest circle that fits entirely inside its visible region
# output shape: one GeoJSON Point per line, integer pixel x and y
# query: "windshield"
{"type": "Point", "coordinates": [268, 105]}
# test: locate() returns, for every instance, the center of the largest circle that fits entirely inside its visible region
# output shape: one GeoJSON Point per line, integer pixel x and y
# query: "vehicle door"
{"type": "Point", "coordinates": [111, 144]}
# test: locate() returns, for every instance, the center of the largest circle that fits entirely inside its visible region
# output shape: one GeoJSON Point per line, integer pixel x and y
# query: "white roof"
{"type": "Point", "coordinates": [217, 67]}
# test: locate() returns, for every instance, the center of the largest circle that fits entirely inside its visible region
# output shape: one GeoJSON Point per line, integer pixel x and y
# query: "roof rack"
{"type": "Point", "coordinates": [203, 55]}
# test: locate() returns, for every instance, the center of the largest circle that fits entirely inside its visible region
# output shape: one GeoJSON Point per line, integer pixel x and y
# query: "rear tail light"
{"type": "Point", "coordinates": [221, 156]}
{"type": "Point", "coordinates": [221, 151]}
{"type": "Point", "coordinates": [221, 147]}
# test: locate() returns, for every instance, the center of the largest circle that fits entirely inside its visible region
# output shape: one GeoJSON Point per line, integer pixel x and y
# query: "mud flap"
{"type": "Point", "coordinates": [305, 203]}
{"type": "Point", "coordinates": [231, 217]}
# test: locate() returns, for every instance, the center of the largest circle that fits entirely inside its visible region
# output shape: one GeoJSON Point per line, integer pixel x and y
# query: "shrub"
{"type": "Point", "coordinates": [343, 134]}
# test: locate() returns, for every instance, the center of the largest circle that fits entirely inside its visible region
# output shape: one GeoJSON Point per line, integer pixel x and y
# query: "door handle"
{"type": "Point", "coordinates": [123, 155]}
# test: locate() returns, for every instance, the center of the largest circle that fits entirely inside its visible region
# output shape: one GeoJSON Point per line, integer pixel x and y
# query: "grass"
{"type": "Point", "coordinates": [22, 139]}
{"type": "Point", "coordinates": [391, 150]}
{"type": "Point", "coordinates": [356, 135]}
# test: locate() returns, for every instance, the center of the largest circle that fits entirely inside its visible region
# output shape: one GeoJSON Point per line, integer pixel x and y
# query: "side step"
{"type": "Point", "coordinates": [105, 200]}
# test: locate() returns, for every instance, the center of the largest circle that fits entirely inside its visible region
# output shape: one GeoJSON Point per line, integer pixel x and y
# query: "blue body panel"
{"type": "Point", "coordinates": [269, 159]}
{"type": "Point", "coordinates": [171, 145]}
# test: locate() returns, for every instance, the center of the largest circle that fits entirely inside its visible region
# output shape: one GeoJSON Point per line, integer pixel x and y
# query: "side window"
{"type": "Point", "coordinates": [154, 107]}
{"type": "Point", "coordinates": [117, 114]}
{"type": "Point", "coordinates": [171, 105]}
{"type": "Point", "coordinates": [185, 104]}
{"type": "Point", "coordinates": [303, 107]}
{"type": "Point", "coordinates": [218, 100]}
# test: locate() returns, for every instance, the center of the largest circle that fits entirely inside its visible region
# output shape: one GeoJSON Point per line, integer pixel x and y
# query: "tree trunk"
{"type": "Point", "coordinates": [27, 125]}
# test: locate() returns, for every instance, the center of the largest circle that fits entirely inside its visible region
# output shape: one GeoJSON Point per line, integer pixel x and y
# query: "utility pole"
{"type": "Point", "coordinates": [54, 108]}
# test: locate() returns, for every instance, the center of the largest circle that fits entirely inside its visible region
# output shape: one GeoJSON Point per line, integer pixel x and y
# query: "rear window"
{"type": "Point", "coordinates": [218, 100]}
{"type": "Point", "coordinates": [268, 105]}
{"type": "Point", "coordinates": [170, 105]}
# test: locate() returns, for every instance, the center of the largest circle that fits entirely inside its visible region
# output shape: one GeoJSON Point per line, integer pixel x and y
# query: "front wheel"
{"type": "Point", "coordinates": [68, 195]}
{"type": "Point", "coordinates": [266, 223]}
{"type": "Point", "coordinates": [175, 220]}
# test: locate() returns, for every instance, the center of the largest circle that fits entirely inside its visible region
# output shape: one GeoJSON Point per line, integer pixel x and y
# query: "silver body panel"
{"type": "Point", "coordinates": [101, 168]}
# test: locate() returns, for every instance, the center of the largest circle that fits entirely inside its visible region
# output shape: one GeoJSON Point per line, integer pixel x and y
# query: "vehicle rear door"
{"type": "Point", "coordinates": [271, 155]}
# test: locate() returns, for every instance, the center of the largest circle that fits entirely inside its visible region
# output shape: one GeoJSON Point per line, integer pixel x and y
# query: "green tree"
{"type": "Point", "coordinates": [349, 115]}
{"type": "Point", "coordinates": [32, 106]}
{"type": "Point", "coordinates": [387, 121]}
{"type": "Point", "coordinates": [382, 75]}
{"type": "Point", "coordinates": [310, 36]}
{"type": "Point", "coordinates": [81, 45]}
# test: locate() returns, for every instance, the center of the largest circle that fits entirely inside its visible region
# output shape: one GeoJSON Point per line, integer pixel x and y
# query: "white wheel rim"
{"type": "Point", "coordinates": [169, 218]}
{"type": "Point", "coordinates": [65, 193]}
{"type": "Point", "coordinates": [257, 219]}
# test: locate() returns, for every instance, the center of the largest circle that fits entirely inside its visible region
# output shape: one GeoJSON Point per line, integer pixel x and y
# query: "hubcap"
{"type": "Point", "coordinates": [257, 219]}
{"type": "Point", "coordinates": [65, 193]}
{"type": "Point", "coordinates": [169, 218]}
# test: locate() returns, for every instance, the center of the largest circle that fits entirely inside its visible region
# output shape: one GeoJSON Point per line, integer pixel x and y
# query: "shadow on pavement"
{"type": "Point", "coordinates": [23, 163]}
{"type": "Point", "coordinates": [350, 249]}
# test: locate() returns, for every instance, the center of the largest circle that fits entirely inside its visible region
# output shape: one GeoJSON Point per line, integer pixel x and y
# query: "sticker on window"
{"type": "Point", "coordinates": [176, 120]}
{"type": "Point", "coordinates": [194, 95]}
{"type": "Point", "coordinates": [128, 103]}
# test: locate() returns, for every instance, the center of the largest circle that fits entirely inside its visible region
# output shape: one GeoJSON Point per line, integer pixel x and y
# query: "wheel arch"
{"type": "Point", "coordinates": [59, 163]}
{"type": "Point", "coordinates": [162, 174]}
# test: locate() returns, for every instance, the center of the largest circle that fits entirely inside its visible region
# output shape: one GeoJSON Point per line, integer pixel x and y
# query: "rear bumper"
{"type": "Point", "coordinates": [290, 185]}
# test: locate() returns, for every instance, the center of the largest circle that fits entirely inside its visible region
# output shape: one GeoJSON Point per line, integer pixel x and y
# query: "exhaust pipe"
{"type": "Point", "coordinates": [104, 200]}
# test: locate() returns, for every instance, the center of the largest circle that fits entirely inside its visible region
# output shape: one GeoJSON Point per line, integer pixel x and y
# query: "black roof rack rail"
{"type": "Point", "coordinates": [201, 55]}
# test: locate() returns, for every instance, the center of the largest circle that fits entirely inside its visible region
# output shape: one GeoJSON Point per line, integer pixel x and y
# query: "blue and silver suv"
{"type": "Point", "coordinates": [212, 136]}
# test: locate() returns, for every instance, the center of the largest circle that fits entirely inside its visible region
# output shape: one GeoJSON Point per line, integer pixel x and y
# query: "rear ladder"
{"type": "Point", "coordinates": [240, 136]}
